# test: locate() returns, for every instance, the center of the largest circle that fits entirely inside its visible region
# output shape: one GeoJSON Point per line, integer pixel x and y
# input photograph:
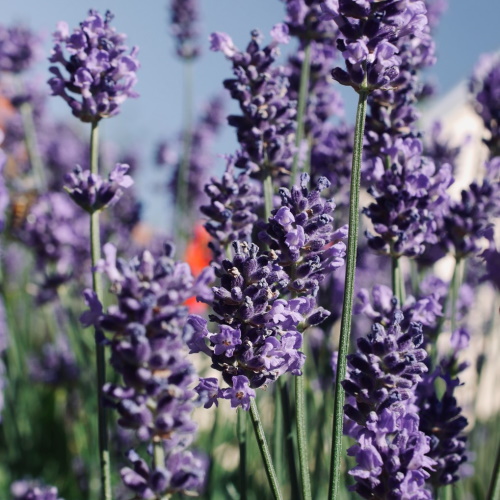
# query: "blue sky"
{"type": "Point", "coordinates": [467, 30]}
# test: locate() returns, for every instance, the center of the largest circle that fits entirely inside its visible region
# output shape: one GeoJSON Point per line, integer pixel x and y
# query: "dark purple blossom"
{"type": "Point", "coordinates": [33, 490]}
{"type": "Point", "coordinates": [20, 48]}
{"type": "Point", "coordinates": [184, 18]}
{"type": "Point", "coordinates": [101, 74]}
{"type": "Point", "coordinates": [92, 192]}
{"type": "Point", "coordinates": [240, 394]}
{"type": "Point", "coordinates": [208, 392]}
{"type": "Point", "coordinates": [266, 127]}
{"type": "Point", "coordinates": [301, 232]}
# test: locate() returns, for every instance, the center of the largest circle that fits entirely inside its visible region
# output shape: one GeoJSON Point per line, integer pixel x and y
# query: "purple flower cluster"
{"type": "Point", "coordinates": [259, 335]}
{"type": "Point", "coordinates": [391, 452]}
{"type": "Point", "coordinates": [19, 49]}
{"type": "Point", "coordinates": [100, 71]}
{"type": "Point", "coordinates": [301, 233]}
{"type": "Point", "coordinates": [484, 86]}
{"type": "Point", "coordinates": [32, 490]}
{"type": "Point", "coordinates": [369, 33]}
{"type": "Point", "coordinates": [266, 127]}
{"type": "Point", "coordinates": [184, 16]}
{"type": "Point", "coordinates": [92, 192]}
{"type": "Point", "coordinates": [410, 200]}
{"type": "Point", "coordinates": [232, 212]}
{"type": "Point", "coordinates": [155, 396]}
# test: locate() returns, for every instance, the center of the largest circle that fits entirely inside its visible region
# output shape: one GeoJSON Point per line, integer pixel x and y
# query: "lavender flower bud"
{"type": "Point", "coordinates": [19, 49]}
{"type": "Point", "coordinates": [184, 16]}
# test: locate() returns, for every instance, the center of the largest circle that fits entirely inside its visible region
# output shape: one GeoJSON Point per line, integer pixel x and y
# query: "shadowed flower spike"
{"type": "Point", "coordinates": [101, 74]}
{"type": "Point", "coordinates": [33, 490]}
{"type": "Point", "coordinates": [20, 48]}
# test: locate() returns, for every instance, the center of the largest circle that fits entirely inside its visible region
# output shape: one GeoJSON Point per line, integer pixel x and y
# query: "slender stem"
{"type": "Point", "coordinates": [398, 286]}
{"type": "Point", "coordinates": [345, 327]}
{"type": "Point", "coordinates": [182, 194]}
{"type": "Point", "coordinates": [300, 412]}
{"type": "Point", "coordinates": [32, 146]}
{"type": "Point", "coordinates": [301, 108]}
{"type": "Point", "coordinates": [95, 253]}
{"type": "Point", "coordinates": [288, 425]}
{"type": "Point", "coordinates": [455, 287]}
{"type": "Point", "coordinates": [494, 488]}
{"type": "Point", "coordinates": [278, 434]}
{"type": "Point", "coordinates": [159, 461]}
{"type": "Point", "coordinates": [268, 195]}
{"type": "Point", "coordinates": [264, 451]}
{"type": "Point", "coordinates": [241, 426]}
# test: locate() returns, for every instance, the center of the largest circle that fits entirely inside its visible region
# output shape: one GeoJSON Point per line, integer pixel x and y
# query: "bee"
{"type": "Point", "coordinates": [20, 206]}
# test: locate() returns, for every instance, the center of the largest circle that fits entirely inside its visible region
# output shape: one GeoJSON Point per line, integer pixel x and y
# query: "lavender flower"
{"type": "Point", "coordinates": [301, 232]}
{"type": "Point", "coordinates": [259, 335]}
{"type": "Point", "coordinates": [19, 48]}
{"type": "Point", "coordinates": [266, 128]}
{"type": "Point", "coordinates": [99, 68]}
{"type": "Point", "coordinates": [368, 34]}
{"type": "Point", "coordinates": [93, 193]}
{"type": "Point", "coordinates": [33, 490]}
{"type": "Point", "coordinates": [155, 396]}
{"type": "Point", "coordinates": [184, 16]}
{"type": "Point", "coordinates": [392, 454]}
{"type": "Point", "coordinates": [232, 212]}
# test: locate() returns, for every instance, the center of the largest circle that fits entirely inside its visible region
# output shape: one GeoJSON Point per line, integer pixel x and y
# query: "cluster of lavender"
{"type": "Point", "coordinates": [184, 16]}
{"type": "Point", "coordinates": [200, 160]}
{"type": "Point", "coordinates": [266, 128]}
{"type": "Point", "coordinates": [155, 396]}
{"type": "Point", "coordinates": [100, 71]}
{"type": "Point", "coordinates": [19, 48]}
{"type": "Point", "coordinates": [392, 454]}
{"type": "Point", "coordinates": [29, 490]}
{"type": "Point", "coordinates": [232, 212]}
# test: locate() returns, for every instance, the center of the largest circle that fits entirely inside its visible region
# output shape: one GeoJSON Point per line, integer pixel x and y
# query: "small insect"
{"type": "Point", "coordinates": [20, 206]}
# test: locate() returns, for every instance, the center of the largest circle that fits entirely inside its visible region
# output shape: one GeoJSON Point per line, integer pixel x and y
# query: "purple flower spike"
{"type": "Point", "coordinates": [240, 393]}
{"type": "Point", "coordinates": [101, 73]}
{"type": "Point", "coordinates": [93, 193]}
{"type": "Point", "coordinates": [33, 490]}
{"type": "Point", "coordinates": [19, 48]}
{"type": "Point", "coordinates": [184, 15]}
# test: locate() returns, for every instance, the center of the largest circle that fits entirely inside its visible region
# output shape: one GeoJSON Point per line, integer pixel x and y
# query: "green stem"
{"type": "Point", "coordinates": [301, 108]}
{"type": "Point", "coordinates": [268, 195]}
{"type": "Point", "coordinates": [300, 412]}
{"type": "Point", "coordinates": [159, 461]}
{"type": "Point", "coordinates": [95, 253]}
{"type": "Point", "coordinates": [278, 434]}
{"type": "Point", "coordinates": [264, 451]}
{"type": "Point", "coordinates": [32, 146]}
{"type": "Point", "coordinates": [345, 327]}
{"type": "Point", "coordinates": [241, 427]}
{"type": "Point", "coordinates": [455, 287]}
{"type": "Point", "coordinates": [494, 488]}
{"type": "Point", "coordinates": [288, 426]}
{"type": "Point", "coordinates": [182, 194]}
{"type": "Point", "coordinates": [398, 286]}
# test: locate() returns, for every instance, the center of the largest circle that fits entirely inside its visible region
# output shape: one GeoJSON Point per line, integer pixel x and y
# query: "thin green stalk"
{"type": "Point", "coordinates": [301, 107]}
{"type": "Point", "coordinates": [32, 146]}
{"type": "Point", "coordinates": [455, 287]}
{"type": "Point", "coordinates": [159, 461]}
{"type": "Point", "coordinates": [268, 195]}
{"type": "Point", "coordinates": [182, 192]}
{"type": "Point", "coordinates": [345, 327]}
{"type": "Point", "coordinates": [241, 428]}
{"type": "Point", "coordinates": [288, 428]}
{"type": "Point", "coordinates": [300, 411]}
{"type": "Point", "coordinates": [264, 451]}
{"type": "Point", "coordinates": [278, 435]}
{"type": "Point", "coordinates": [494, 488]}
{"type": "Point", "coordinates": [95, 253]}
{"type": "Point", "coordinates": [398, 284]}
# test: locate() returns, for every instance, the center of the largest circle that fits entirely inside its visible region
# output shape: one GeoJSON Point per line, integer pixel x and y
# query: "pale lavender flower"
{"type": "Point", "coordinates": [33, 490]}
{"type": "Point", "coordinates": [101, 74]}
{"type": "Point", "coordinates": [20, 48]}
{"type": "Point", "coordinates": [184, 18]}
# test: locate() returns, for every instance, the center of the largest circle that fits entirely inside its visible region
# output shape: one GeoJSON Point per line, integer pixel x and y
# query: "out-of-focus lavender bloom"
{"type": "Point", "coordinates": [484, 86]}
{"type": "Point", "coordinates": [259, 336]}
{"type": "Point", "coordinates": [302, 234]}
{"type": "Point", "coordinates": [4, 341]}
{"type": "Point", "coordinates": [92, 192]}
{"type": "Point", "coordinates": [20, 48]}
{"type": "Point", "coordinates": [441, 417]}
{"type": "Point", "coordinates": [266, 127]}
{"type": "Point", "coordinates": [33, 490]}
{"type": "Point", "coordinates": [55, 365]}
{"type": "Point", "coordinates": [232, 212]}
{"type": "Point", "coordinates": [155, 397]}
{"type": "Point", "coordinates": [439, 149]}
{"type": "Point", "coordinates": [410, 198]}
{"type": "Point", "coordinates": [200, 161]}
{"type": "Point", "coordinates": [435, 10]}
{"type": "Point", "coordinates": [4, 192]}
{"type": "Point", "coordinates": [369, 33]}
{"type": "Point", "coordinates": [100, 71]}
{"type": "Point", "coordinates": [391, 453]}
{"type": "Point", "coordinates": [184, 16]}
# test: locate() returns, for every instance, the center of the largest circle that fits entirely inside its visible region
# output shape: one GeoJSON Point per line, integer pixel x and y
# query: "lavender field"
{"type": "Point", "coordinates": [311, 314]}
